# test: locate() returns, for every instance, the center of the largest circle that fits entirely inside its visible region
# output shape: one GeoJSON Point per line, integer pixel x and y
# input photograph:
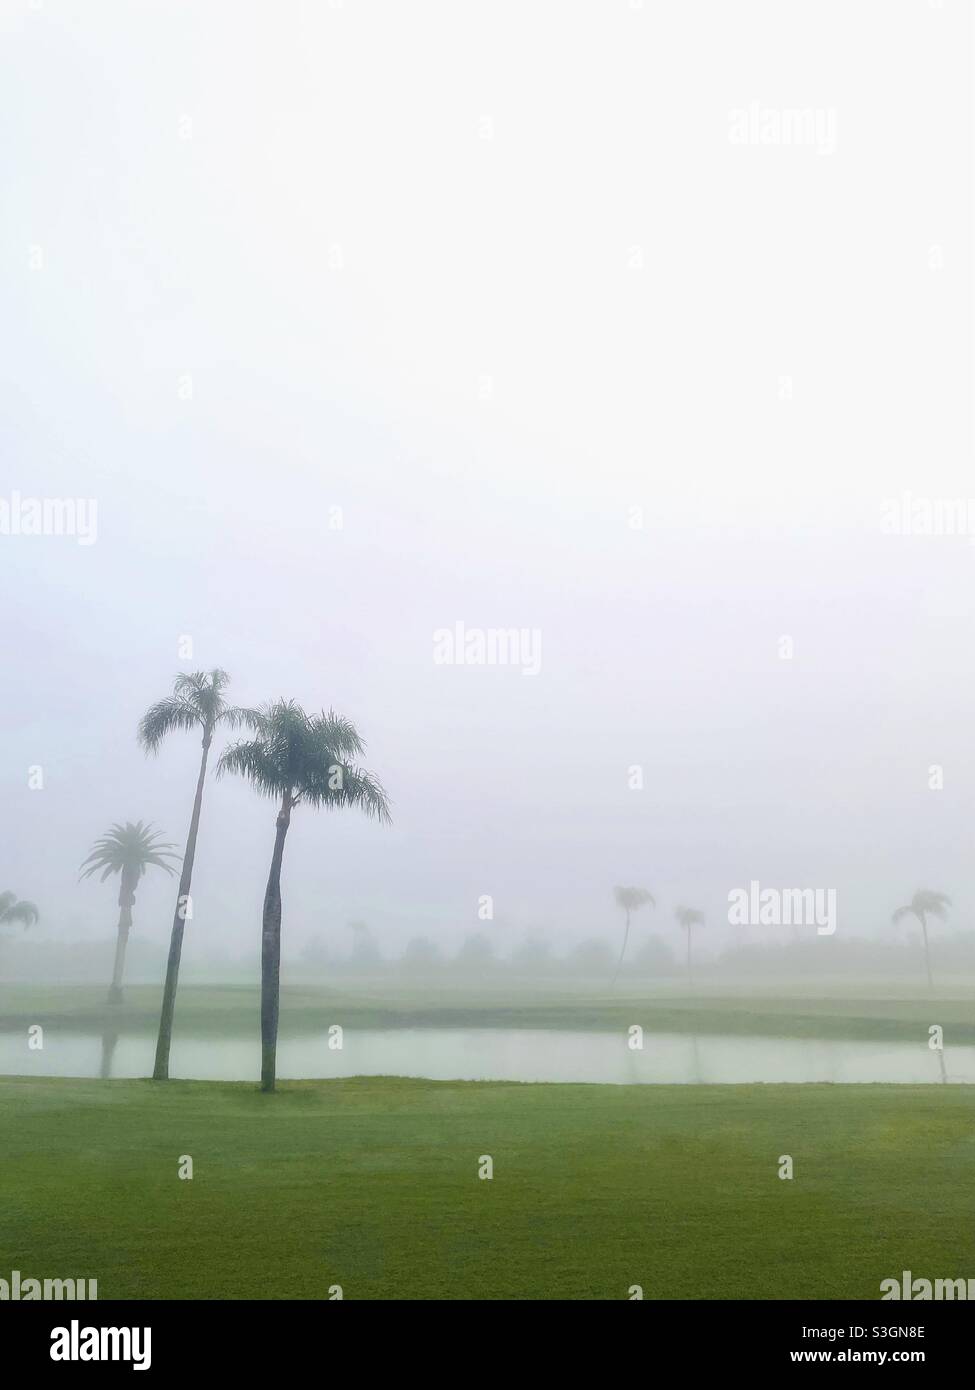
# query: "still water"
{"type": "Point", "coordinates": [499, 1054]}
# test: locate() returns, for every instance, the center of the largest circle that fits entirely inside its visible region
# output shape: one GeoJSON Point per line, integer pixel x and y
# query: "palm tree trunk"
{"type": "Point", "coordinates": [927, 958]}
{"type": "Point", "coordinates": [109, 1044]}
{"type": "Point", "coordinates": [690, 977]}
{"type": "Point", "coordinates": [160, 1071]}
{"type": "Point", "coordinates": [619, 963]}
{"type": "Point", "coordinates": [126, 898]}
{"type": "Point", "coordinates": [271, 950]}
{"type": "Point", "coordinates": [696, 1056]}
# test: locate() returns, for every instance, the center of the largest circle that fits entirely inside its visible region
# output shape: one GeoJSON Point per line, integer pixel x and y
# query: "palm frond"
{"type": "Point", "coordinates": [253, 759]}
{"type": "Point", "coordinates": [201, 685]}
{"type": "Point", "coordinates": [689, 917]}
{"type": "Point", "coordinates": [13, 909]}
{"type": "Point", "coordinates": [232, 716]}
{"type": "Point", "coordinates": [306, 757]}
{"type": "Point", "coordinates": [632, 898]}
{"type": "Point", "coordinates": [197, 701]}
{"type": "Point", "coordinates": [925, 903]}
{"type": "Point", "coordinates": [166, 717]}
{"type": "Point", "coordinates": [931, 903]}
{"type": "Point", "coordinates": [338, 734]}
{"type": "Point", "coordinates": [24, 911]}
{"type": "Point", "coordinates": [334, 785]}
{"type": "Point", "coordinates": [132, 847]}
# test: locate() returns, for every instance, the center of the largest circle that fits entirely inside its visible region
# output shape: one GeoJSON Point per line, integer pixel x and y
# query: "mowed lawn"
{"type": "Point", "coordinates": [892, 1013]}
{"type": "Point", "coordinates": [372, 1184]}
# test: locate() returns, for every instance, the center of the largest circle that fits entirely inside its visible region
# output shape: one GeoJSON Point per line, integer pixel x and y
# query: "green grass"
{"type": "Point", "coordinates": [886, 1015]}
{"type": "Point", "coordinates": [372, 1184]}
{"type": "Point", "coordinates": [232, 1011]}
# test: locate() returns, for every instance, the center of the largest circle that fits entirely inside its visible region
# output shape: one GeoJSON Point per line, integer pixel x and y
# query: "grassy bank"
{"type": "Point", "coordinates": [888, 1015]}
{"type": "Point", "coordinates": [372, 1184]}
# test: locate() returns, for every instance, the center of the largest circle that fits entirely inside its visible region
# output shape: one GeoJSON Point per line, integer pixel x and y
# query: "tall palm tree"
{"type": "Point", "coordinates": [923, 905]}
{"type": "Point", "coordinates": [689, 917]}
{"type": "Point", "coordinates": [196, 705]}
{"type": "Point", "coordinates": [14, 909]}
{"type": "Point", "coordinates": [296, 757]}
{"type": "Point", "coordinates": [127, 850]}
{"type": "Point", "coordinates": [630, 900]}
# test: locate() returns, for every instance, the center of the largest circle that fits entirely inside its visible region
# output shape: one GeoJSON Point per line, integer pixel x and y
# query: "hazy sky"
{"type": "Point", "coordinates": [489, 277]}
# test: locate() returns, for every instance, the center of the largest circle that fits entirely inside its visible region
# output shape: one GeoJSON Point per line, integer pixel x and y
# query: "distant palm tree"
{"type": "Point", "coordinates": [13, 909]}
{"type": "Point", "coordinates": [630, 900]}
{"type": "Point", "coordinates": [295, 757]}
{"type": "Point", "coordinates": [689, 917]}
{"type": "Point", "coordinates": [196, 704]}
{"type": "Point", "coordinates": [923, 905]}
{"type": "Point", "coordinates": [127, 850]}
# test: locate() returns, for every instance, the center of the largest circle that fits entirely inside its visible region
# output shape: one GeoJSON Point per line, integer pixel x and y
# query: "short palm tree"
{"type": "Point", "coordinates": [689, 917]}
{"type": "Point", "coordinates": [196, 705]}
{"type": "Point", "coordinates": [127, 850]}
{"type": "Point", "coordinates": [14, 909]}
{"type": "Point", "coordinates": [923, 905]}
{"type": "Point", "coordinates": [630, 900]}
{"type": "Point", "coordinates": [295, 757]}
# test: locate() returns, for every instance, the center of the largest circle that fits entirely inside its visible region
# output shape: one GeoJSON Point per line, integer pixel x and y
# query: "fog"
{"type": "Point", "coordinates": [351, 344]}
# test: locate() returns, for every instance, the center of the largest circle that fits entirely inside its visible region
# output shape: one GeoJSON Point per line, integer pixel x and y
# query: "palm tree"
{"type": "Point", "coordinates": [630, 900]}
{"type": "Point", "coordinates": [689, 917]}
{"type": "Point", "coordinates": [127, 850]}
{"type": "Point", "coordinates": [296, 757]}
{"type": "Point", "coordinates": [14, 909]}
{"type": "Point", "coordinates": [196, 704]}
{"type": "Point", "coordinates": [923, 905]}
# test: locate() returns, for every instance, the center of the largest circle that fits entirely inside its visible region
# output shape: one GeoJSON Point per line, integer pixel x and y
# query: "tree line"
{"type": "Point", "coordinates": [294, 759]}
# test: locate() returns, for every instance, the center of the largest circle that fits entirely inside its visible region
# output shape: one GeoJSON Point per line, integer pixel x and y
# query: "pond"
{"type": "Point", "coordinates": [499, 1054]}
